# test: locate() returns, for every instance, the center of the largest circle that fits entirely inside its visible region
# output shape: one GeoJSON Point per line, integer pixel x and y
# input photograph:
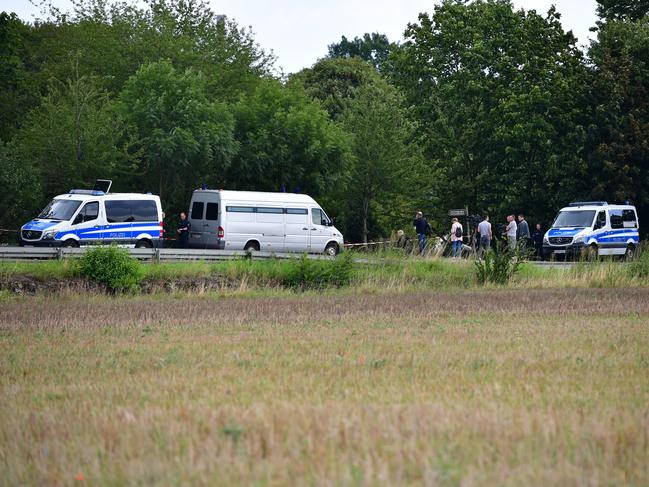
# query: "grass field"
{"type": "Point", "coordinates": [456, 387]}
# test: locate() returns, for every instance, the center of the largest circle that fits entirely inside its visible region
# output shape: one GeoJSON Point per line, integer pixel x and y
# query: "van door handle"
{"type": "Point", "coordinates": [305, 228]}
{"type": "Point", "coordinates": [314, 229]}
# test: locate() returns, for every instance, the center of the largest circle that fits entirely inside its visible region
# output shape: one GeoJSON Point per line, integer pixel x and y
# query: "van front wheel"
{"type": "Point", "coordinates": [71, 243]}
{"type": "Point", "coordinates": [331, 249]}
{"type": "Point", "coordinates": [592, 252]}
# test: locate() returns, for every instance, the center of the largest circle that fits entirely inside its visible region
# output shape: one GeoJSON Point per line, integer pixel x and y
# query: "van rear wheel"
{"type": "Point", "coordinates": [251, 247]}
{"type": "Point", "coordinates": [143, 244]}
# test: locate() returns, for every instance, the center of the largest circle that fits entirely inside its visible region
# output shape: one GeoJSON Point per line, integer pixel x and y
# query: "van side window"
{"type": "Point", "coordinates": [91, 211]}
{"type": "Point", "coordinates": [88, 213]}
{"type": "Point", "coordinates": [316, 216]}
{"type": "Point", "coordinates": [144, 210]}
{"type": "Point", "coordinates": [629, 219]}
{"type": "Point", "coordinates": [212, 211]}
{"type": "Point", "coordinates": [197, 211]}
{"type": "Point", "coordinates": [616, 219]}
{"type": "Point", "coordinates": [601, 219]}
{"type": "Point", "coordinates": [124, 211]}
{"type": "Point", "coordinates": [239, 209]}
{"type": "Point", "coordinates": [296, 211]}
{"type": "Point", "coordinates": [118, 211]}
{"type": "Point", "coordinates": [262, 209]}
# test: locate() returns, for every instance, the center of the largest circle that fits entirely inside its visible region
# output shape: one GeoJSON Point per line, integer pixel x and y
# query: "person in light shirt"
{"type": "Point", "coordinates": [510, 231]}
{"type": "Point", "coordinates": [456, 237]}
{"type": "Point", "coordinates": [484, 229]}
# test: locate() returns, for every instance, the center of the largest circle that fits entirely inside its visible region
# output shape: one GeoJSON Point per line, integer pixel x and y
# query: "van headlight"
{"type": "Point", "coordinates": [50, 235]}
{"type": "Point", "coordinates": [578, 240]}
{"type": "Point", "coordinates": [546, 240]}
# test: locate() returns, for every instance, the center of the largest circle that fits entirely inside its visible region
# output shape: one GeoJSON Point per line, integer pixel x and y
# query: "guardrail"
{"type": "Point", "coordinates": [154, 255]}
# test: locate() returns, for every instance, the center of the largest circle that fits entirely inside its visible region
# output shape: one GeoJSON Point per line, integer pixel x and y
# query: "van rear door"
{"type": "Point", "coordinates": [204, 215]}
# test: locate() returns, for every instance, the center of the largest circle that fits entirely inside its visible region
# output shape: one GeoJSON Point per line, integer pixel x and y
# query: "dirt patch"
{"type": "Point", "coordinates": [81, 312]}
{"type": "Point", "coordinates": [29, 286]}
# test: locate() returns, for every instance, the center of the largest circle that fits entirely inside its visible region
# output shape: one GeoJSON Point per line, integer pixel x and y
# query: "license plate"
{"type": "Point", "coordinates": [559, 251]}
{"type": "Point", "coordinates": [196, 235]}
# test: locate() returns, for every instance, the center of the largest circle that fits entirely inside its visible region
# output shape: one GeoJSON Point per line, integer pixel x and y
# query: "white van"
{"type": "Point", "coordinates": [249, 220]}
{"type": "Point", "coordinates": [594, 227]}
{"type": "Point", "coordinates": [84, 216]}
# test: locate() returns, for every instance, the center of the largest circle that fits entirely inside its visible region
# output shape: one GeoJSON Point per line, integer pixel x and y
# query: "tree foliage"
{"type": "Point", "coordinates": [499, 94]}
{"type": "Point", "coordinates": [374, 48]}
{"type": "Point", "coordinates": [483, 106]}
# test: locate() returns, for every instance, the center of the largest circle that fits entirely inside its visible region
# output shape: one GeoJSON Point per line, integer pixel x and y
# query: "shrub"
{"type": "Point", "coordinates": [111, 266]}
{"type": "Point", "coordinates": [313, 274]}
{"type": "Point", "coordinates": [640, 266]}
{"type": "Point", "coordinates": [499, 265]}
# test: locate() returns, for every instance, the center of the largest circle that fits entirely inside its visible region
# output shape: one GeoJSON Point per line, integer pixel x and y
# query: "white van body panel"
{"type": "Point", "coordinates": [275, 222]}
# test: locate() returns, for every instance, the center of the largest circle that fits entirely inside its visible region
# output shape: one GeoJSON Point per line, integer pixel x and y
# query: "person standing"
{"type": "Point", "coordinates": [537, 240]}
{"type": "Point", "coordinates": [183, 231]}
{"type": "Point", "coordinates": [421, 228]}
{"type": "Point", "coordinates": [510, 231]}
{"type": "Point", "coordinates": [522, 232]}
{"type": "Point", "coordinates": [484, 228]}
{"type": "Point", "coordinates": [456, 237]}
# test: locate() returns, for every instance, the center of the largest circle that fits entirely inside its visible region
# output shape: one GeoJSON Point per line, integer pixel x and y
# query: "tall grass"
{"type": "Point", "coordinates": [360, 271]}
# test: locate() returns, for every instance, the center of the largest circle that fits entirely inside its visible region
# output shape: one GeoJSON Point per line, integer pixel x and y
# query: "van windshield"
{"type": "Point", "coordinates": [582, 218]}
{"type": "Point", "coordinates": [60, 210]}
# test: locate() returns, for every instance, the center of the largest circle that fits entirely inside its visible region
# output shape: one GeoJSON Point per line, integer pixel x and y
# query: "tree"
{"type": "Point", "coordinates": [334, 81]}
{"type": "Point", "coordinates": [182, 138]}
{"type": "Point", "coordinates": [386, 169]}
{"type": "Point", "coordinates": [374, 48]}
{"type": "Point", "coordinates": [500, 95]}
{"type": "Point", "coordinates": [20, 191]}
{"type": "Point", "coordinates": [619, 159]}
{"type": "Point", "coordinates": [286, 141]}
{"type": "Point", "coordinates": [622, 9]}
{"type": "Point", "coordinates": [74, 137]}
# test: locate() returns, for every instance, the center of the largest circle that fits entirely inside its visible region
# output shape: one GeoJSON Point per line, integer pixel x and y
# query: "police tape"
{"type": "Point", "coordinates": [382, 242]}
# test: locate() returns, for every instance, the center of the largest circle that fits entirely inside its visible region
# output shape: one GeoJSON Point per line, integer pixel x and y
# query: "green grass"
{"type": "Point", "coordinates": [387, 272]}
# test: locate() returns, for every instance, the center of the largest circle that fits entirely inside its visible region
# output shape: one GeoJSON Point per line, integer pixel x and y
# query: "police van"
{"type": "Point", "coordinates": [593, 228]}
{"type": "Point", "coordinates": [250, 220]}
{"type": "Point", "coordinates": [96, 216]}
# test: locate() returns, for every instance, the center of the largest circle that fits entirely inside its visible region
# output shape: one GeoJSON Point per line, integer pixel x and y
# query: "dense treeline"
{"type": "Point", "coordinates": [482, 106]}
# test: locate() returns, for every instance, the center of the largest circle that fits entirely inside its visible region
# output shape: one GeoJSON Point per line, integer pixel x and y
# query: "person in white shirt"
{"type": "Point", "coordinates": [456, 237]}
{"type": "Point", "coordinates": [511, 231]}
{"type": "Point", "coordinates": [484, 229]}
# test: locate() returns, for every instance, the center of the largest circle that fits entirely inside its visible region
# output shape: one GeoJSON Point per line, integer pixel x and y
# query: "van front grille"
{"type": "Point", "coordinates": [31, 234]}
{"type": "Point", "coordinates": [560, 240]}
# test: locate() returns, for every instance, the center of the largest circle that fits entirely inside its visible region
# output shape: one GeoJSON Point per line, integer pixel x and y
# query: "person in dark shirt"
{"type": "Point", "coordinates": [183, 231]}
{"type": "Point", "coordinates": [537, 239]}
{"type": "Point", "coordinates": [421, 227]}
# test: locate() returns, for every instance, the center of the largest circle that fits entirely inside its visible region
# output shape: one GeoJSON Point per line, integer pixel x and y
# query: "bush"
{"type": "Point", "coordinates": [499, 265]}
{"type": "Point", "coordinates": [313, 274]}
{"type": "Point", "coordinates": [640, 266]}
{"type": "Point", "coordinates": [111, 266]}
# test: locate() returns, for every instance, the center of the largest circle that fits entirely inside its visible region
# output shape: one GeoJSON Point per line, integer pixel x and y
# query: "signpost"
{"type": "Point", "coordinates": [458, 212]}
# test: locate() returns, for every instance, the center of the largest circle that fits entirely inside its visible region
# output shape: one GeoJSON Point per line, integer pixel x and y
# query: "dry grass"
{"type": "Point", "coordinates": [504, 387]}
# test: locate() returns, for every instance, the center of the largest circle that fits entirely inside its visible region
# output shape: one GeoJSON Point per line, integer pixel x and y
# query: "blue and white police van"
{"type": "Point", "coordinates": [593, 228]}
{"type": "Point", "coordinates": [95, 216]}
